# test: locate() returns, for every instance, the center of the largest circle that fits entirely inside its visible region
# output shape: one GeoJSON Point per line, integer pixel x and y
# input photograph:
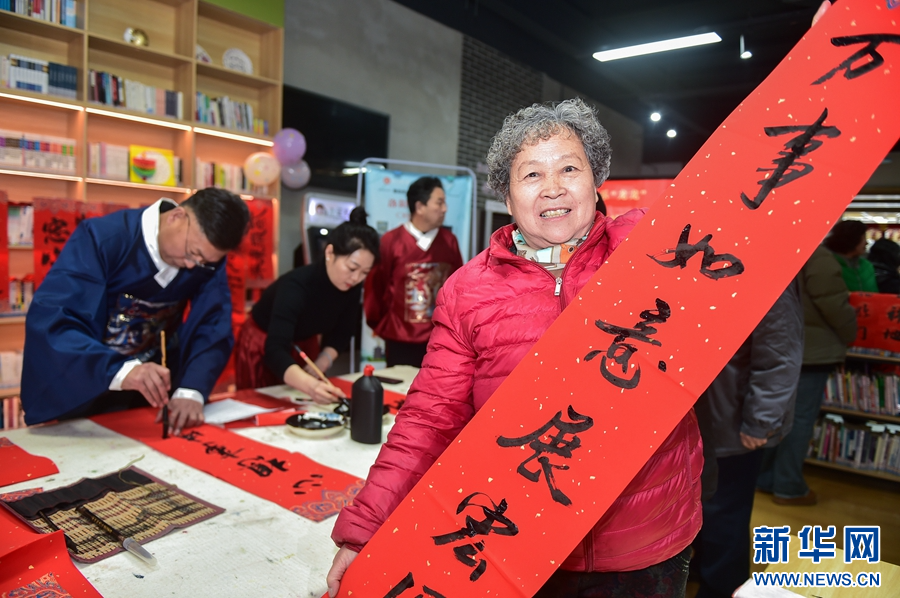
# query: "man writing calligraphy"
{"type": "Point", "coordinates": [92, 334]}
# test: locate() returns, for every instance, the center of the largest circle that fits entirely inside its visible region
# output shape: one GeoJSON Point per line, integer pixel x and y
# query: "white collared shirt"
{"type": "Point", "coordinates": [423, 240]}
{"type": "Point", "coordinates": [165, 274]}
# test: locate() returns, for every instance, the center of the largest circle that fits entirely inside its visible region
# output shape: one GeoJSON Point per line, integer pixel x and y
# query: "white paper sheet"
{"type": "Point", "coordinates": [229, 410]}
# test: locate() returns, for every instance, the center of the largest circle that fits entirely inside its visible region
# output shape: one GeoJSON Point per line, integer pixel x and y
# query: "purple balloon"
{"type": "Point", "coordinates": [295, 176]}
{"type": "Point", "coordinates": [290, 145]}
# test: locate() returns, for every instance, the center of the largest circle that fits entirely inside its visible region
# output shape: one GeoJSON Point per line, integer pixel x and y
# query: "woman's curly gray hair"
{"type": "Point", "coordinates": [539, 122]}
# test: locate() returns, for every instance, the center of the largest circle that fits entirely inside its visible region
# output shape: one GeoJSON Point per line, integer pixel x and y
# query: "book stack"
{"type": "Point", "coordinates": [61, 12]}
{"type": "Point", "coordinates": [113, 90]}
{"type": "Point", "coordinates": [39, 76]}
{"type": "Point", "coordinates": [28, 151]}
{"type": "Point", "coordinates": [20, 225]}
{"type": "Point", "coordinates": [873, 446]}
{"type": "Point", "coordinates": [225, 176]}
{"type": "Point", "coordinates": [108, 161]}
{"type": "Point", "coordinates": [225, 112]}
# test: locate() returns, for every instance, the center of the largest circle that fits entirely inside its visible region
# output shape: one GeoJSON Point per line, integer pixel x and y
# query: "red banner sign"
{"type": "Point", "coordinates": [291, 480]}
{"type": "Point", "coordinates": [877, 321]}
{"type": "Point", "coordinates": [686, 288]}
{"type": "Point", "coordinates": [627, 194]}
{"type": "Point", "coordinates": [54, 222]}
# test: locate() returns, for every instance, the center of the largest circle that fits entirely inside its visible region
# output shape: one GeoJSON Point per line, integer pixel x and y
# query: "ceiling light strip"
{"type": "Point", "coordinates": [661, 46]}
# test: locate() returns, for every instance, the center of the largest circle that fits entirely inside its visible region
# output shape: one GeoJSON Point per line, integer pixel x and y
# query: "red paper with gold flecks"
{"type": "Point", "coordinates": [21, 466]}
{"type": "Point", "coordinates": [291, 480]}
{"type": "Point", "coordinates": [616, 372]}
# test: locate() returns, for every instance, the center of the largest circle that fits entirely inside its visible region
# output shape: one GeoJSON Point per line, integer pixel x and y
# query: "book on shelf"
{"type": "Point", "coordinates": [153, 166]}
{"type": "Point", "coordinates": [20, 225]}
{"type": "Point", "coordinates": [12, 414]}
{"type": "Point", "coordinates": [230, 114]}
{"type": "Point", "coordinates": [21, 291]}
{"type": "Point", "coordinates": [39, 76]}
{"type": "Point", "coordinates": [10, 369]}
{"type": "Point", "coordinates": [113, 90]}
{"type": "Point", "coordinates": [873, 446]}
{"type": "Point", "coordinates": [30, 151]}
{"type": "Point", "coordinates": [61, 12]}
{"type": "Point", "coordinates": [867, 391]}
{"type": "Point", "coordinates": [225, 176]}
{"type": "Point", "coordinates": [108, 161]}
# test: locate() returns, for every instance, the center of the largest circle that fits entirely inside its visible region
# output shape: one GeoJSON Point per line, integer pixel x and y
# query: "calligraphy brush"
{"type": "Point", "coordinates": [165, 409]}
{"type": "Point", "coordinates": [315, 368]}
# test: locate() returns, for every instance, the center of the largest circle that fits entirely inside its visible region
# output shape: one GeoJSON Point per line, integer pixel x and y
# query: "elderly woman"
{"type": "Point", "coordinates": [546, 162]}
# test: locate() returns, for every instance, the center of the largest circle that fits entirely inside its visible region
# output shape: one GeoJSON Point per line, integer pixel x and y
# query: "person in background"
{"type": "Point", "coordinates": [321, 298]}
{"type": "Point", "coordinates": [829, 327]}
{"type": "Point", "coordinates": [885, 257]}
{"type": "Point", "coordinates": [546, 162]}
{"type": "Point", "coordinates": [847, 241]}
{"type": "Point", "coordinates": [417, 257]}
{"type": "Point", "coordinates": [92, 334]}
{"type": "Point", "coordinates": [749, 405]}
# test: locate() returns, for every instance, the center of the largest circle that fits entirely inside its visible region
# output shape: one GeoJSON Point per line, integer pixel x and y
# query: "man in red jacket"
{"type": "Point", "coordinates": [417, 257]}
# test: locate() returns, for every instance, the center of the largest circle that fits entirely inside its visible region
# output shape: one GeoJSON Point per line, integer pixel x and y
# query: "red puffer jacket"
{"type": "Point", "coordinates": [488, 315]}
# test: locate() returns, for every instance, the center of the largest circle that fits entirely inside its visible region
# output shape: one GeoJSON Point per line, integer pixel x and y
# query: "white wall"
{"type": "Point", "coordinates": [382, 56]}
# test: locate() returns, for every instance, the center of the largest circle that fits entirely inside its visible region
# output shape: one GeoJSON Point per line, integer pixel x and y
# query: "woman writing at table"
{"type": "Point", "coordinates": [321, 298]}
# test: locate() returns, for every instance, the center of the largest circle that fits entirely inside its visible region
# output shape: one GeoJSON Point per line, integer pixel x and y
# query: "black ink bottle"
{"type": "Point", "coordinates": [366, 408]}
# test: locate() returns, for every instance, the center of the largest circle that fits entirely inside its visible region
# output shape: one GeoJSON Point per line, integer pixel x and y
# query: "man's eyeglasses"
{"type": "Point", "coordinates": [193, 256]}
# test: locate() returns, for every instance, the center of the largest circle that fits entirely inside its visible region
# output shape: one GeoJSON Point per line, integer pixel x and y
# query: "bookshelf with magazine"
{"type": "Point", "coordinates": [129, 130]}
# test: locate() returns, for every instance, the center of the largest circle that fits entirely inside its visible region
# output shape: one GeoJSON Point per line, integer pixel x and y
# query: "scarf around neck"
{"type": "Point", "coordinates": [551, 258]}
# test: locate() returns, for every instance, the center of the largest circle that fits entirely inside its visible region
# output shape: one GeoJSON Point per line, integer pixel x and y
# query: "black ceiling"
{"type": "Point", "coordinates": [694, 89]}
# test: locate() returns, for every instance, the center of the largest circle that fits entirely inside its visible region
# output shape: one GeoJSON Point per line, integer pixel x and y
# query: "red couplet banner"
{"type": "Point", "coordinates": [877, 321]}
{"type": "Point", "coordinates": [291, 480]}
{"type": "Point", "coordinates": [54, 222]}
{"type": "Point", "coordinates": [644, 338]}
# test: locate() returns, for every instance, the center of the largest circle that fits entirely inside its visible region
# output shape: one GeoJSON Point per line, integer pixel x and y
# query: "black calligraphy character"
{"type": "Point", "coordinates": [871, 50]}
{"type": "Point", "coordinates": [261, 469]}
{"type": "Point", "coordinates": [893, 335]}
{"type": "Point", "coordinates": [787, 167]}
{"type": "Point", "coordinates": [407, 583]}
{"type": "Point", "coordinates": [558, 445]}
{"type": "Point", "coordinates": [893, 313]}
{"type": "Point", "coordinates": [221, 450]}
{"type": "Point", "coordinates": [56, 231]}
{"type": "Point", "coordinates": [621, 352]}
{"type": "Point", "coordinates": [192, 436]}
{"type": "Point", "coordinates": [685, 251]}
{"type": "Point", "coordinates": [492, 514]}
{"type": "Point", "coordinates": [313, 483]}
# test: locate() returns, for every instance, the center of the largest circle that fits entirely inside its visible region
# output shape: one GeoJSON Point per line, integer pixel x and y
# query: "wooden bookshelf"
{"type": "Point", "coordinates": [854, 413]}
{"type": "Point", "coordinates": [173, 28]}
{"type": "Point", "coordinates": [872, 358]}
{"type": "Point", "coordinates": [9, 392]}
{"type": "Point", "coordinates": [872, 474]}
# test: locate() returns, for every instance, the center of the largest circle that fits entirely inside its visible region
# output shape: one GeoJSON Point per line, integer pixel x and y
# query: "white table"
{"type": "Point", "coordinates": [254, 548]}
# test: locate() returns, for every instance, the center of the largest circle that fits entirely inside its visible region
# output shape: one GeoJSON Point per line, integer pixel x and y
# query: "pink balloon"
{"type": "Point", "coordinates": [295, 176]}
{"type": "Point", "coordinates": [261, 169]}
{"type": "Point", "coordinates": [290, 145]}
